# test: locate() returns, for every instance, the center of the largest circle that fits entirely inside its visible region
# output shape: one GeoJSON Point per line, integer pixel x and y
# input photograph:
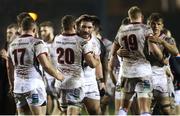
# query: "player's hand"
{"type": "Point", "coordinates": [124, 53]}
{"type": "Point", "coordinates": [102, 88]}
{"type": "Point", "coordinates": [4, 54]}
{"type": "Point", "coordinates": [155, 40]}
{"type": "Point", "coordinates": [10, 92]}
{"type": "Point", "coordinates": [60, 76]}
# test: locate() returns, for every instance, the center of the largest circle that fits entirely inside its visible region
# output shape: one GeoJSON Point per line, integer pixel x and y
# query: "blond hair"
{"type": "Point", "coordinates": [134, 12]}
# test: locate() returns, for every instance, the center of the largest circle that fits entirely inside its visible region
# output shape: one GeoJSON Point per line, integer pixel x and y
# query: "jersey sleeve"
{"type": "Point", "coordinates": [86, 47]}
{"type": "Point", "coordinates": [116, 40]}
{"type": "Point", "coordinates": [148, 31]}
{"type": "Point", "coordinates": [170, 40]}
{"type": "Point", "coordinates": [98, 47]}
{"type": "Point", "coordinates": [40, 48]}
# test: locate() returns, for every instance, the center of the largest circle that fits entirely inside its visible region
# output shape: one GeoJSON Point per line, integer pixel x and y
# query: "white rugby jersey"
{"type": "Point", "coordinates": [23, 52]}
{"type": "Point", "coordinates": [50, 51]}
{"type": "Point", "coordinates": [90, 73]}
{"type": "Point", "coordinates": [108, 44]}
{"type": "Point", "coordinates": [68, 52]}
{"type": "Point", "coordinates": [133, 37]}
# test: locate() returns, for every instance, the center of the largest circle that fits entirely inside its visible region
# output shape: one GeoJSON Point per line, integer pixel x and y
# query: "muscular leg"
{"type": "Point", "coordinates": [134, 109]}
{"type": "Point", "coordinates": [24, 110]}
{"type": "Point", "coordinates": [49, 105]}
{"type": "Point", "coordinates": [126, 102]}
{"type": "Point", "coordinates": [73, 110]}
{"type": "Point", "coordinates": [117, 105]}
{"type": "Point", "coordinates": [144, 104]}
{"type": "Point", "coordinates": [166, 104]}
{"type": "Point", "coordinates": [177, 109]}
{"type": "Point", "coordinates": [92, 106]}
{"type": "Point", "coordinates": [104, 104]}
{"type": "Point", "coordinates": [38, 110]}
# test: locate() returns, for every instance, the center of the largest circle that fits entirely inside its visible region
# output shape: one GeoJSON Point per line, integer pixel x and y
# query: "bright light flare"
{"type": "Point", "coordinates": [33, 15]}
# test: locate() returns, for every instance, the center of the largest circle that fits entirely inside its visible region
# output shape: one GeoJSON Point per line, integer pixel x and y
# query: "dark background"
{"type": "Point", "coordinates": [111, 12]}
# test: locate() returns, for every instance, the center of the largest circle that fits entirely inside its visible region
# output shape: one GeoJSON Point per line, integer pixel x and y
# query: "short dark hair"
{"type": "Point", "coordinates": [46, 23]}
{"type": "Point", "coordinates": [84, 17]}
{"type": "Point", "coordinates": [96, 22]}
{"type": "Point", "coordinates": [68, 22]}
{"type": "Point", "coordinates": [27, 23]}
{"type": "Point", "coordinates": [12, 25]}
{"type": "Point", "coordinates": [155, 17]}
{"type": "Point", "coordinates": [21, 16]}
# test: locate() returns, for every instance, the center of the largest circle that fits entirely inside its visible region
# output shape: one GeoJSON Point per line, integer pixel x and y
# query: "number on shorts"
{"type": "Point", "coordinates": [130, 42]}
{"type": "Point", "coordinates": [20, 52]}
{"type": "Point", "coordinates": [68, 54]}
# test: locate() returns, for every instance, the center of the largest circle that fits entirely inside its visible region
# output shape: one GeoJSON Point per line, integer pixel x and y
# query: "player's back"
{"type": "Point", "coordinates": [23, 52]}
{"type": "Point", "coordinates": [68, 57]}
{"type": "Point", "coordinates": [133, 38]}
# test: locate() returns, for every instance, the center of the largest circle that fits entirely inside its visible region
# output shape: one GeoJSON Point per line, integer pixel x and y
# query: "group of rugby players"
{"type": "Point", "coordinates": [79, 69]}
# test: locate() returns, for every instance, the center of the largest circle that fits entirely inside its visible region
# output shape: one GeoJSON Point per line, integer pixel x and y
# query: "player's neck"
{"type": "Point", "coordinates": [139, 20]}
{"type": "Point", "coordinates": [51, 38]}
{"type": "Point", "coordinates": [69, 32]}
{"type": "Point", "coordinates": [28, 32]}
{"type": "Point", "coordinates": [157, 34]}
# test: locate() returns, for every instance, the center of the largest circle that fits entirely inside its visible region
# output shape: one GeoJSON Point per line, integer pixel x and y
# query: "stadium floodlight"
{"type": "Point", "coordinates": [33, 15]}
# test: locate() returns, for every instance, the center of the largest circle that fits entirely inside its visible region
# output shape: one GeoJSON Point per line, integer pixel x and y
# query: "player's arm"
{"type": "Point", "coordinates": [10, 70]}
{"type": "Point", "coordinates": [99, 77]}
{"type": "Point", "coordinates": [154, 49]}
{"type": "Point", "coordinates": [170, 47]}
{"type": "Point", "coordinates": [91, 59]}
{"type": "Point", "coordinates": [48, 67]}
{"type": "Point", "coordinates": [112, 55]}
{"type": "Point", "coordinates": [112, 59]}
{"type": "Point", "coordinates": [99, 72]}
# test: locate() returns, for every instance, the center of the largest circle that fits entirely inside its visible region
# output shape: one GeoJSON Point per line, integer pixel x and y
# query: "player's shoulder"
{"type": "Point", "coordinates": [57, 37]}
{"type": "Point", "coordinates": [145, 26]}
{"type": "Point", "coordinates": [37, 41]}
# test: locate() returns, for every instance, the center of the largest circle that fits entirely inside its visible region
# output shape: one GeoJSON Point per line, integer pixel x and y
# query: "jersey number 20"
{"type": "Point", "coordinates": [68, 54]}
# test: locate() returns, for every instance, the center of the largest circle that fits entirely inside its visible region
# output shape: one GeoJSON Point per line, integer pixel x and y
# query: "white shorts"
{"type": "Point", "coordinates": [159, 79]}
{"type": "Point", "coordinates": [138, 85]}
{"type": "Point", "coordinates": [92, 91]}
{"type": "Point", "coordinates": [177, 97]}
{"type": "Point", "coordinates": [36, 97]}
{"type": "Point", "coordinates": [70, 97]}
